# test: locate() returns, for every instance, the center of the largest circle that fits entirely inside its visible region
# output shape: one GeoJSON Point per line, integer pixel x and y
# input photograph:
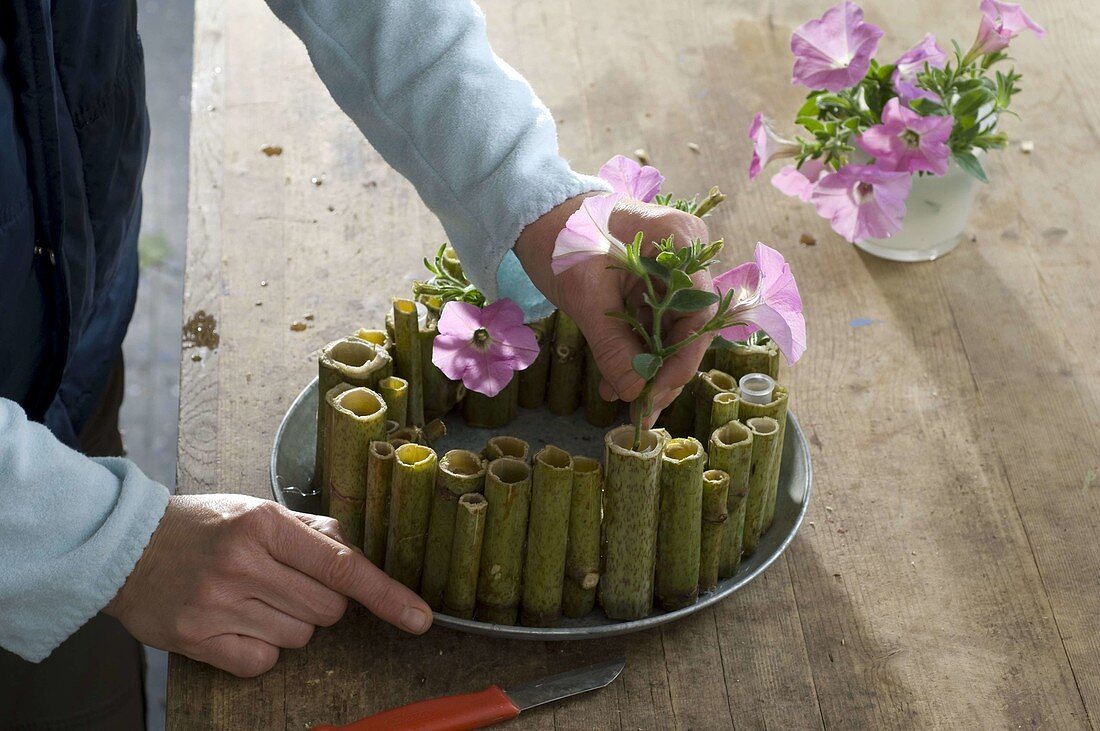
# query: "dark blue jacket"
{"type": "Point", "coordinates": [73, 140]}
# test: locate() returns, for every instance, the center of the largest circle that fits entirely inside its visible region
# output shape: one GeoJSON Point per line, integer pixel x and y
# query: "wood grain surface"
{"type": "Point", "coordinates": [949, 574]}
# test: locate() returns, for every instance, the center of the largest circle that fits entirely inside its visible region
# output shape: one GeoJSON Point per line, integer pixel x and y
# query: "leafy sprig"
{"type": "Point", "coordinates": [692, 205]}
{"type": "Point", "coordinates": [668, 287]}
{"type": "Point", "coordinates": [448, 282]}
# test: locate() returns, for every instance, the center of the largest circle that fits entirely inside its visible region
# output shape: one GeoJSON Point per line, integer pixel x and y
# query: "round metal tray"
{"type": "Point", "coordinates": [292, 471]}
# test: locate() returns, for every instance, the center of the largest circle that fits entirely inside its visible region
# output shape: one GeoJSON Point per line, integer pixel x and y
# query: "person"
{"type": "Point", "coordinates": [94, 554]}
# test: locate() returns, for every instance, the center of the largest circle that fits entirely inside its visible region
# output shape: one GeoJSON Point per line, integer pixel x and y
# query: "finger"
{"type": "Point", "coordinates": [682, 367]}
{"type": "Point", "coordinates": [245, 657]}
{"type": "Point", "coordinates": [614, 346]}
{"type": "Point", "coordinates": [254, 618]}
{"type": "Point", "coordinates": [325, 526]}
{"type": "Point", "coordinates": [349, 573]}
{"type": "Point", "coordinates": [292, 592]}
{"type": "Point", "coordinates": [660, 403]}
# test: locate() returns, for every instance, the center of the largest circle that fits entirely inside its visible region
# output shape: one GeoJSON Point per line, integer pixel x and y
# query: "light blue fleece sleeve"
{"type": "Point", "coordinates": [71, 530]}
{"type": "Point", "coordinates": [419, 79]}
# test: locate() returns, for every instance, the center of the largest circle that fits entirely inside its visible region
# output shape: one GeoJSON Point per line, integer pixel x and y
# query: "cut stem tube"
{"type": "Point", "coordinates": [491, 412]}
{"type": "Point", "coordinates": [460, 472]}
{"type": "Point", "coordinates": [776, 409]}
{"type": "Point", "coordinates": [631, 500]}
{"type": "Point", "coordinates": [707, 386]}
{"type": "Point", "coordinates": [508, 490]}
{"type": "Point", "coordinates": [351, 361]}
{"type": "Point", "coordinates": [597, 411]}
{"type": "Point", "coordinates": [410, 509]}
{"type": "Point", "coordinates": [379, 338]}
{"type": "Point", "coordinates": [395, 390]}
{"type": "Point", "coordinates": [440, 392]}
{"type": "Point", "coordinates": [676, 580]}
{"type": "Point", "coordinates": [765, 436]}
{"type": "Point", "coordinates": [460, 594]}
{"type": "Point", "coordinates": [730, 450]}
{"type": "Point", "coordinates": [741, 359]}
{"type": "Point", "coordinates": [451, 263]}
{"type": "Point", "coordinates": [716, 485]}
{"type": "Point", "coordinates": [349, 513]}
{"type": "Point", "coordinates": [376, 508]}
{"type": "Point", "coordinates": [533, 380]}
{"type": "Point", "coordinates": [506, 446]}
{"type": "Point", "coordinates": [566, 367]}
{"type": "Point", "coordinates": [582, 556]}
{"type": "Point", "coordinates": [547, 534]}
{"type": "Point", "coordinates": [409, 362]}
{"type": "Point", "coordinates": [723, 410]}
{"type": "Point", "coordinates": [358, 418]}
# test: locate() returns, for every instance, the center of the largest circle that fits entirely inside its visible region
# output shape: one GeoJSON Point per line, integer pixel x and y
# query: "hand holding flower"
{"type": "Point", "coordinates": [587, 289]}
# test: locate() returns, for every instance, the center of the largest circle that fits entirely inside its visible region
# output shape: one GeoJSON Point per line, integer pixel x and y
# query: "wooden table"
{"type": "Point", "coordinates": [949, 572]}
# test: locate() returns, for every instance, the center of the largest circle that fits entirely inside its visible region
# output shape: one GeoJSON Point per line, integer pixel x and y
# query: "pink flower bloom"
{"type": "Point", "coordinates": [863, 201]}
{"type": "Point", "coordinates": [908, 142]}
{"type": "Point", "coordinates": [635, 180]}
{"type": "Point", "coordinates": [766, 298]}
{"type": "Point", "coordinates": [799, 181]}
{"type": "Point", "coordinates": [767, 145]}
{"type": "Point", "coordinates": [482, 347]}
{"type": "Point", "coordinates": [911, 63]}
{"type": "Point", "coordinates": [1001, 22]}
{"type": "Point", "coordinates": [834, 51]}
{"type": "Point", "coordinates": [586, 234]}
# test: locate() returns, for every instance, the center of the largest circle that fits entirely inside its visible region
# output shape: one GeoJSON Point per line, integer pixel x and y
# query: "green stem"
{"type": "Point", "coordinates": [640, 412]}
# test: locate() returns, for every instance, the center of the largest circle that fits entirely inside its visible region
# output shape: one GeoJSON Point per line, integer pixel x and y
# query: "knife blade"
{"type": "Point", "coordinates": [486, 707]}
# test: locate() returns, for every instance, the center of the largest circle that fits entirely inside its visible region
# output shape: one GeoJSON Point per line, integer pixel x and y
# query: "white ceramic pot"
{"type": "Point", "coordinates": [936, 214]}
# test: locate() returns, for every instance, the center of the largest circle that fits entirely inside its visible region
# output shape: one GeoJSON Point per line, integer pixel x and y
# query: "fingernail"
{"type": "Point", "coordinates": [415, 620]}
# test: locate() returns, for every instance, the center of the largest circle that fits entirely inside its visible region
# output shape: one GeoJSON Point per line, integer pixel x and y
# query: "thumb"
{"type": "Point", "coordinates": [614, 346]}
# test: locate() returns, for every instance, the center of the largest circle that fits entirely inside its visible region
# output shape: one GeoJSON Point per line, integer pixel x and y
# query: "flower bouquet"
{"type": "Point", "coordinates": [503, 536]}
{"type": "Point", "coordinates": [891, 151]}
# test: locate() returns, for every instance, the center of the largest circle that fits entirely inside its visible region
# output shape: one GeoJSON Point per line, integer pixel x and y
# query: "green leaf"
{"type": "Point", "coordinates": [654, 269]}
{"type": "Point", "coordinates": [646, 365]}
{"type": "Point", "coordinates": [690, 300]}
{"type": "Point", "coordinates": [926, 107]}
{"type": "Point", "coordinates": [968, 162]}
{"type": "Point", "coordinates": [972, 101]}
{"type": "Point", "coordinates": [812, 125]}
{"type": "Point", "coordinates": [667, 259]}
{"type": "Point", "coordinates": [680, 280]}
{"type": "Point", "coordinates": [810, 108]}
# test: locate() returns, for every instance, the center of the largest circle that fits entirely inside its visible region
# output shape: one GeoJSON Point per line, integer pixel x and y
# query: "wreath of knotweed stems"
{"type": "Point", "coordinates": [668, 288]}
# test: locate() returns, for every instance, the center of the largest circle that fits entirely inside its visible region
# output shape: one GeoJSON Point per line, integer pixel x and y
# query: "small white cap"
{"type": "Point", "coordinates": [421, 315]}
{"type": "Point", "coordinates": [757, 388]}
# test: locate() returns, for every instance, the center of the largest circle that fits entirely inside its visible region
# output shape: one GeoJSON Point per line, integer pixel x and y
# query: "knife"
{"type": "Point", "coordinates": [486, 707]}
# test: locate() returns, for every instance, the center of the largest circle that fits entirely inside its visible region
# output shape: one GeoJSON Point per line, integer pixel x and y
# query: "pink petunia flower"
{"type": "Point", "coordinates": [834, 51]}
{"type": "Point", "coordinates": [767, 145]}
{"type": "Point", "coordinates": [641, 182]}
{"type": "Point", "coordinates": [765, 298]}
{"type": "Point", "coordinates": [863, 201]}
{"type": "Point", "coordinates": [483, 346]}
{"type": "Point", "coordinates": [911, 63]}
{"type": "Point", "coordinates": [907, 141]}
{"type": "Point", "coordinates": [799, 181]}
{"type": "Point", "coordinates": [1001, 22]}
{"type": "Point", "coordinates": [587, 234]}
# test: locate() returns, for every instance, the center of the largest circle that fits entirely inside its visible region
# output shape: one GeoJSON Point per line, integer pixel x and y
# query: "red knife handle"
{"type": "Point", "coordinates": [449, 713]}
